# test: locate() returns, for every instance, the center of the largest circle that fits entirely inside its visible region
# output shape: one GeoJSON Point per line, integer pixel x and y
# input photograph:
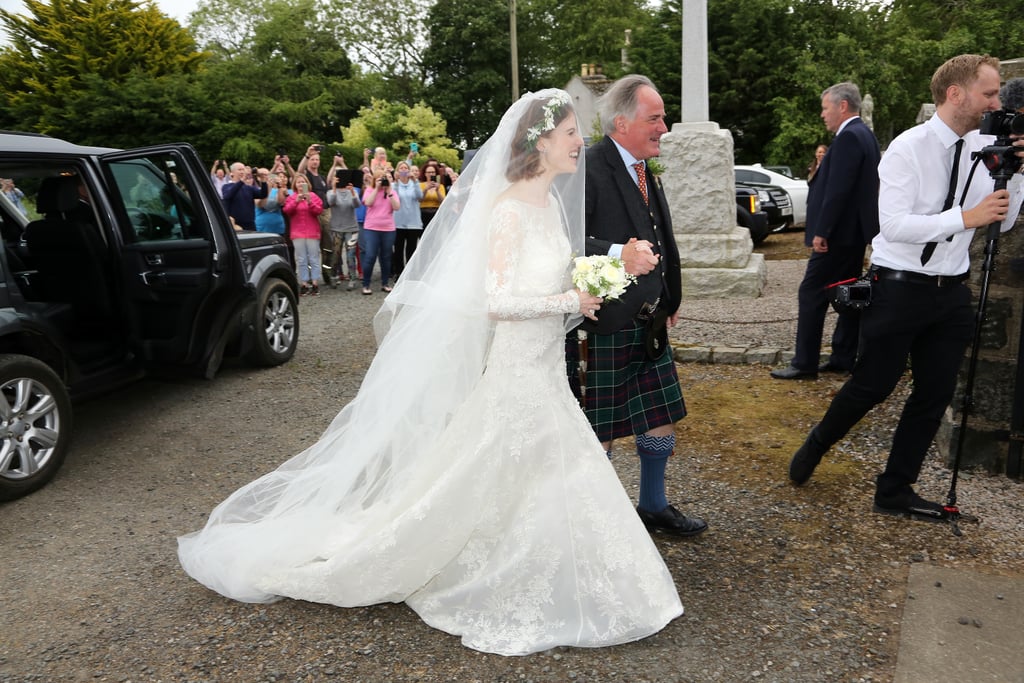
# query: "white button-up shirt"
{"type": "Point", "coordinates": [914, 180]}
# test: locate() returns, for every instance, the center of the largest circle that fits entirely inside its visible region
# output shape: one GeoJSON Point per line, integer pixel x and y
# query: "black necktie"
{"type": "Point", "coordinates": [929, 248]}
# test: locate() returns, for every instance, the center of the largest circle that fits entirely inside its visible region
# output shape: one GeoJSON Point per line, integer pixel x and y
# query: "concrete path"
{"type": "Point", "coordinates": [961, 625]}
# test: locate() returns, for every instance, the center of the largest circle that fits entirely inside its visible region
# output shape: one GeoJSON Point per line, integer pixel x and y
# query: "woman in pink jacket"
{"type": "Point", "coordinates": [381, 202]}
{"type": "Point", "coordinates": [302, 209]}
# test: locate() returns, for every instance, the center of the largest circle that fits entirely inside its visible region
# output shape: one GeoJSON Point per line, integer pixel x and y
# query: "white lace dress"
{"type": "Point", "coordinates": [514, 531]}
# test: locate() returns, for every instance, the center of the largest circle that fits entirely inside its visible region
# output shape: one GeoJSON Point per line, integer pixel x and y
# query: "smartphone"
{"type": "Point", "coordinates": [414, 146]}
{"type": "Point", "coordinates": [318, 148]}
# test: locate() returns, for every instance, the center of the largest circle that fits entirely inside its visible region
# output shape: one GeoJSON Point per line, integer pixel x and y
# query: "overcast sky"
{"type": "Point", "coordinates": [176, 9]}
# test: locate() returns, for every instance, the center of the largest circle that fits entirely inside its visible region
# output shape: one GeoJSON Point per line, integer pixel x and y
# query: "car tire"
{"type": "Point", "coordinates": [745, 220]}
{"type": "Point", "coordinates": [35, 425]}
{"type": "Point", "coordinates": [276, 324]}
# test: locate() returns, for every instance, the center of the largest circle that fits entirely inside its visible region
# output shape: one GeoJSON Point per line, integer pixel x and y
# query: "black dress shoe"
{"type": "Point", "coordinates": [672, 521]}
{"type": "Point", "coordinates": [832, 367]}
{"type": "Point", "coordinates": [790, 372]}
{"type": "Point", "coordinates": [806, 458]}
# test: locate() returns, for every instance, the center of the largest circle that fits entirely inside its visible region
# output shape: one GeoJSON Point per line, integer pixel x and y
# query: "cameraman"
{"type": "Point", "coordinates": [920, 305]}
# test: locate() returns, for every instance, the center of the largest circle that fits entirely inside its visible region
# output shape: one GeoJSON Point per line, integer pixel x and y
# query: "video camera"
{"type": "Point", "coordinates": [1001, 158]}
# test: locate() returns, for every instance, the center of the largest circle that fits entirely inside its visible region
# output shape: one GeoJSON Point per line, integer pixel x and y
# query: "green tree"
{"type": "Point", "coordinates": [386, 42]}
{"type": "Point", "coordinates": [656, 51]}
{"type": "Point", "coordinates": [59, 51]}
{"type": "Point", "coordinates": [393, 126]}
{"type": "Point", "coordinates": [279, 79]}
{"type": "Point", "coordinates": [559, 35]}
{"type": "Point", "coordinates": [468, 63]}
{"type": "Point", "coordinates": [917, 36]}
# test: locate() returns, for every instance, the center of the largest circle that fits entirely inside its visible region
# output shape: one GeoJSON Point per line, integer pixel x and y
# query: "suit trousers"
{"type": "Point", "coordinates": [814, 297]}
{"type": "Point", "coordinates": [932, 326]}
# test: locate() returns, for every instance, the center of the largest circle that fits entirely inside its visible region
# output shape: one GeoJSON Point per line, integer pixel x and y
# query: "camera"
{"type": "Point", "coordinates": [318, 148]}
{"type": "Point", "coordinates": [1002, 123]}
{"type": "Point", "coordinates": [852, 294]}
{"type": "Point", "coordinates": [1001, 158]}
{"type": "Point", "coordinates": [384, 182]}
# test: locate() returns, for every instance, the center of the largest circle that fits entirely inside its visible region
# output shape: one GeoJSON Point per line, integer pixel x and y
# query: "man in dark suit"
{"type": "Point", "coordinates": [631, 385]}
{"type": "Point", "coordinates": [842, 217]}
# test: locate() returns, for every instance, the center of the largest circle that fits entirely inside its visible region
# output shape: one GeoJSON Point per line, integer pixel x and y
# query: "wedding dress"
{"type": "Point", "coordinates": [500, 520]}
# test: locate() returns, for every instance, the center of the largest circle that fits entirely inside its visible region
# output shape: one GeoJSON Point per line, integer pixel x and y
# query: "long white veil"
{"type": "Point", "coordinates": [434, 333]}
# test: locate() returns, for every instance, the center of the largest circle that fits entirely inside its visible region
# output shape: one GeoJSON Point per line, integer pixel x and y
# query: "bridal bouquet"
{"type": "Point", "coordinates": [603, 276]}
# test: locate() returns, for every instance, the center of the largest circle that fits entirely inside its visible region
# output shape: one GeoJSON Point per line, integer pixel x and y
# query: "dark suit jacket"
{"type": "Point", "coordinates": [842, 202]}
{"type": "Point", "coordinates": [615, 212]}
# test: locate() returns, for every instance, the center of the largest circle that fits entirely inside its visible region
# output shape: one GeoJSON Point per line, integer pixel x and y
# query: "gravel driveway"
{"type": "Point", "coordinates": [788, 585]}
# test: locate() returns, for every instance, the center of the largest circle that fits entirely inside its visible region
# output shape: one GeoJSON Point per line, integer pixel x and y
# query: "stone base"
{"type": "Point", "coordinates": [715, 250]}
{"type": "Point", "coordinates": [726, 283]}
{"type": "Point", "coordinates": [985, 444]}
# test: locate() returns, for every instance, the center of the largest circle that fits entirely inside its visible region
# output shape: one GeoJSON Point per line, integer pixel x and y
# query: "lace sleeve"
{"type": "Point", "coordinates": [509, 247]}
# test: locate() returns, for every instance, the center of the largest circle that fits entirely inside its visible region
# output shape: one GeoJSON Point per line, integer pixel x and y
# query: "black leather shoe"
{"type": "Point", "coordinates": [790, 372]}
{"type": "Point", "coordinates": [831, 367]}
{"type": "Point", "coordinates": [910, 505]}
{"type": "Point", "coordinates": [806, 458]}
{"type": "Point", "coordinates": [672, 521]}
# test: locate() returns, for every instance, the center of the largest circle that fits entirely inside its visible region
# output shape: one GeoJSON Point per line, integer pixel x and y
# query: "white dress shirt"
{"type": "Point", "coordinates": [914, 180]}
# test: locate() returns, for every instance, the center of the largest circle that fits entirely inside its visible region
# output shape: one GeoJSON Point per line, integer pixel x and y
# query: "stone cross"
{"type": "Point", "coordinates": [695, 61]}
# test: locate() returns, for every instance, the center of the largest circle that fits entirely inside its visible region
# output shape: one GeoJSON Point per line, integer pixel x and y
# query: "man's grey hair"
{"type": "Point", "coordinates": [1012, 94]}
{"type": "Point", "coordinates": [621, 100]}
{"type": "Point", "coordinates": [844, 91]}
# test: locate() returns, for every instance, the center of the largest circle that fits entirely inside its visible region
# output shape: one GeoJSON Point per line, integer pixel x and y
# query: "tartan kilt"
{"type": "Point", "coordinates": [627, 394]}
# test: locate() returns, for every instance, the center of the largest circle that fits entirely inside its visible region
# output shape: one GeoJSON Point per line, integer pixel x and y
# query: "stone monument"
{"type": "Point", "coordinates": [716, 254]}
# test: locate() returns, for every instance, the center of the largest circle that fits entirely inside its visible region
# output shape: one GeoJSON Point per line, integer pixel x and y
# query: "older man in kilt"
{"type": "Point", "coordinates": [631, 385]}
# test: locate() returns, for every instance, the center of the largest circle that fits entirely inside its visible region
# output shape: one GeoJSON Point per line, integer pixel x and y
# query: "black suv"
{"type": "Point", "coordinates": [775, 201]}
{"type": "Point", "coordinates": [117, 264]}
{"type": "Point", "coordinates": [750, 212]}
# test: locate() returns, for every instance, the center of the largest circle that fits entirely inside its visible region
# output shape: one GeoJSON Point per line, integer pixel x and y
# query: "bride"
{"type": "Point", "coordinates": [476, 492]}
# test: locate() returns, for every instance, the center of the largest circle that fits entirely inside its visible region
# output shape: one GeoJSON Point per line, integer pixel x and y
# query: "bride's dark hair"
{"type": "Point", "coordinates": [524, 160]}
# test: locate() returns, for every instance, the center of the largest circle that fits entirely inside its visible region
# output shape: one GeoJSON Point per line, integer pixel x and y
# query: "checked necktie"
{"type": "Point", "coordinates": [641, 179]}
{"type": "Point", "coordinates": [929, 248]}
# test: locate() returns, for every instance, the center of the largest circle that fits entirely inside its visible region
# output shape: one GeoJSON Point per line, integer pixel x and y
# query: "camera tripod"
{"type": "Point", "coordinates": [1001, 165]}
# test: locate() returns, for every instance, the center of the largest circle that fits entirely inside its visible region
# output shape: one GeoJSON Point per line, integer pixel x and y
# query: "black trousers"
{"type": "Point", "coordinates": [814, 297]}
{"type": "Point", "coordinates": [405, 244]}
{"type": "Point", "coordinates": [931, 326]}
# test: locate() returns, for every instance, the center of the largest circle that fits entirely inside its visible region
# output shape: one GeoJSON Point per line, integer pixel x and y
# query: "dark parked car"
{"type": "Point", "coordinates": [775, 202]}
{"type": "Point", "coordinates": [750, 214]}
{"type": "Point", "coordinates": [117, 264]}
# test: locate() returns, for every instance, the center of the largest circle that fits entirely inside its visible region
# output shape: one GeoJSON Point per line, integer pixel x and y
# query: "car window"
{"type": "Point", "coordinates": [155, 194]}
{"type": "Point", "coordinates": [744, 176]}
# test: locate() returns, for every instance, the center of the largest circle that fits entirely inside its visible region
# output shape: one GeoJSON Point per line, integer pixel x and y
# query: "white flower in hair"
{"type": "Point", "coordinates": [554, 106]}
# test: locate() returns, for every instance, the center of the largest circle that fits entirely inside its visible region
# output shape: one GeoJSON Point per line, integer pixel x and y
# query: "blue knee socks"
{"type": "Point", "coordinates": [653, 452]}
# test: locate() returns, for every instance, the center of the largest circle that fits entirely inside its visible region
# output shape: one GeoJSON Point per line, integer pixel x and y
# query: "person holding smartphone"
{"type": "Point", "coordinates": [303, 208]}
{"type": "Point", "coordinates": [433, 194]}
{"type": "Point", "coordinates": [408, 221]}
{"type": "Point", "coordinates": [343, 201]}
{"type": "Point", "coordinates": [381, 202]}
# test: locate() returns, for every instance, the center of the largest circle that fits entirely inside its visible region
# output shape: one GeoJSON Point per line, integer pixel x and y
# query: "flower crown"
{"type": "Point", "coordinates": [554, 106]}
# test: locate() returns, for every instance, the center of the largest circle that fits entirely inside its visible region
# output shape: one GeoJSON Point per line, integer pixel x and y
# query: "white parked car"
{"type": "Point", "coordinates": [757, 174]}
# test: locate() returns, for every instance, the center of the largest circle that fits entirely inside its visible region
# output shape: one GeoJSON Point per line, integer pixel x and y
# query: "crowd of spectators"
{"type": "Point", "coordinates": [364, 217]}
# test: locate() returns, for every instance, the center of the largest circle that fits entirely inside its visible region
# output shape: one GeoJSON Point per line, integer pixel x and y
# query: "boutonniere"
{"type": "Point", "coordinates": [655, 167]}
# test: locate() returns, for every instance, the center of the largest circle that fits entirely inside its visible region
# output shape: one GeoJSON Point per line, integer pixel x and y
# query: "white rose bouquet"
{"type": "Point", "coordinates": [603, 276]}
